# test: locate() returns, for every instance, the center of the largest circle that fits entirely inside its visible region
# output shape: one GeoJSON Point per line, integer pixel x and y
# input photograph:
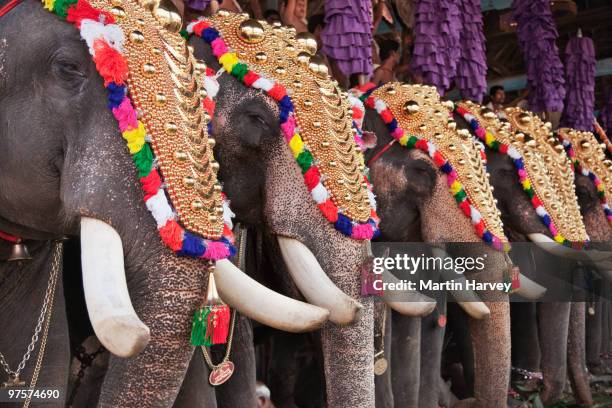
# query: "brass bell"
{"type": "Point", "coordinates": [251, 31]}
{"type": "Point", "coordinates": [19, 252]}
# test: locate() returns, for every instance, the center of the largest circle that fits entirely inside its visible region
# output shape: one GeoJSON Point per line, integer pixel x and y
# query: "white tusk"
{"type": "Point", "coordinates": [529, 289]}
{"type": "Point", "coordinates": [413, 303]}
{"type": "Point", "coordinates": [108, 301]}
{"type": "Point", "coordinates": [314, 284]}
{"type": "Point", "coordinates": [259, 303]}
{"type": "Point", "coordinates": [466, 299]}
{"type": "Point", "coordinates": [553, 247]}
{"type": "Point", "coordinates": [605, 270]}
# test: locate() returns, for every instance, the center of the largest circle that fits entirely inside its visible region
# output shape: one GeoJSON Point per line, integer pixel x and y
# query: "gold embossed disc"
{"type": "Point", "coordinates": [549, 170]}
{"type": "Point", "coordinates": [164, 87]}
{"type": "Point", "coordinates": [590, 155]}
{"type": "Point", "coordinates": [322, 112]}
{"type": "Point", "coordinates": [419, 112]}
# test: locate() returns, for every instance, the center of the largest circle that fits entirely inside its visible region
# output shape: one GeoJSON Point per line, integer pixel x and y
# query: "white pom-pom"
{"type": "Point", "coordinates": [159, 208]}
{"type": "Point", "coordinates": [513, 153]}
{"type": "Point", "coordinates": [263, 83]}
{"type": "Point", "coordinates": [93, 30]}
{"type": "Point", "coordinates": [541, 211]}
{"type": "Point", "coordinates": [212, 86]}
{"type": "Point", "coordinates": [475, 214]}
{"type": "Point", "coordinates": [319, 193]}
{"type": "Point", "coordinates": [228, 214]}
{"type": "Point", "coordinates": [379, 105]}
{"type": "Point", "coordinates": [372, 199]}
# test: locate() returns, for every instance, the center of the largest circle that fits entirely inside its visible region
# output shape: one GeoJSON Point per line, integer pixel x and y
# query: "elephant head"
{"type": "Point", "coordinates": [65, 170]}
{"type": "Point", "coordinates": [276, 106]}
{"type": "Point", "coordinates": [412, 188]}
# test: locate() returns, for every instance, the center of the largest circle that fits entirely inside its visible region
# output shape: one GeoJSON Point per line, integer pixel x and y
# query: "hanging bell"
{"type": "Point", "coordinates": [19, 252]}
{"type": "Point", "coordinates": [211, 321]}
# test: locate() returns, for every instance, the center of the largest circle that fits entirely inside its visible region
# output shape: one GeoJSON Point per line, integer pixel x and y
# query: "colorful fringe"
{"type": "Point", "coordinates": [290, 128]}
{"type": "Point", "coordinates": [578, 168]}
{"type": "Point", "coordinates": [490, 141]}
{"type": "Point", "coordinates": [210, 325]}
{"type": "Point", "coordinates": [410, 141]}
{"type": "Point", "coordinates": [105, 41]}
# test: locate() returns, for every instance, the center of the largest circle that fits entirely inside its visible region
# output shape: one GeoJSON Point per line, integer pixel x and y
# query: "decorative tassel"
{"type": "Point", "coordinates": [211, 322]}
{"type": "Point", "coordinates": [511, 275]}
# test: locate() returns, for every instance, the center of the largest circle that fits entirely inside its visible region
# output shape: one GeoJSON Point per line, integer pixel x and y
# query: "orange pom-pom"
{"type": "Point", "coordinates": [110, 63]}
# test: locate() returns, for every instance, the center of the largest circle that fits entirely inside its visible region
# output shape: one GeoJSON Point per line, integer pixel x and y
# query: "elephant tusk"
{"type": "Point", "coordinates": [605, 270]}
{"type": "Point", "coordinates": [264, 305]}
{"type": "Point", "coordinates": [549, 245]}
{"type": "Point", "coordinates": [314, 284]}
{"type": "Point", "coordinates": [413, 303]}
{"type": "Point", "coordinates": [110, 309]}
{"type": "Point", "coordinates": [530, 289]}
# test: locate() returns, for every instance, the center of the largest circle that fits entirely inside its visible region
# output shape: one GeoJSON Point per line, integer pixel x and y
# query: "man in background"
{"type": "Point", "coordinates": [498, 97]}
{"type": "Point", "coordinates": [389, 57]}
{"type": "Point", "coordinates": [263, 396]}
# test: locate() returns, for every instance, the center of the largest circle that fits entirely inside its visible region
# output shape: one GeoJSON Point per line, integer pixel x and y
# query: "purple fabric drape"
{"type": "Point", "coordinates": [605, 114]}
{"type": "Point", "coordinates": [347, 36]}
{"type": "Point", "coordinates": [537, 34]}
{"type": "Point", "coordinates": [471, 76]}
{"type": "Point", "coordinates": [199, 5]}
{"type": "Point", "coordinates": [436, 42]}
{"type": "Point", "coordinates": [580, 77]}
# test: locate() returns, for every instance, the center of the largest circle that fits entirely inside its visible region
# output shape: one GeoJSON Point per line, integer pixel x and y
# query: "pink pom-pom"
{"type": "Point", "coordinates": [397, 133]}
{"type": "Point", "coordinates": [522, 174]}
{"type": "Point", "coordinates": [289, 128]}
{"type": "Point", "coordinates": [216, 251]}
{"type": "Point", "coordinates": [553, 229]}
{"type": "Point", "coordinates": [451, 177]}
{"type": "Point", "coordinates": [362, 231]}
{"type": "Point", "coordinates": [480, 132]}
{"type": "Point", "coordinates": [126, 115]}
{"type": "Point", "coordinates": [218, 47]}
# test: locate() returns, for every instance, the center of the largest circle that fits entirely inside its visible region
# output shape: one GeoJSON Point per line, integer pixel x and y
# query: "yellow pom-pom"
{"type": "Point", "coordinates": [455, 187]}
{"type": "Point", "coordinates": [228, 60]}
{"type": "Point", "coordinates": [526, 184]}
{"type": "Point", "coordinates": [135, 138]}
{"type": "Point", "coordinates": [49, 4]}
{"type": "Point", "coordinates": [559, 238]}
{"type": "Point", "coordinates": [403, 140]}
{"type": "Point", "coordinates": [296, 145]}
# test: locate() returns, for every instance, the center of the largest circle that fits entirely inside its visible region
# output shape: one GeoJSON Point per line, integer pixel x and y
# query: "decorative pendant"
{"type": "Point", "coordinates": [380, 366]}
{"type": "Point", "coordinates": [221, 373]}
{"type": "Point", "coordinates": [13, 381]}
{"type": "Point", "coordinates": [211, 322]}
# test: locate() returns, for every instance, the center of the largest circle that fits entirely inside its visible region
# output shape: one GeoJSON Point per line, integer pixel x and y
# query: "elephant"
{"type": "Point", "coordinates": [82, 183]}
{"type": "Point", "coordinates": [546, 346]}
{"type": "Point", "coordinates": [415, 205]}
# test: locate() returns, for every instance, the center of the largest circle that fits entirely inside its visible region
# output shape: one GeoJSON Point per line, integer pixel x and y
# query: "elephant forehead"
{"type": "Point", "coordinates": [164, 87]}
{"type": "Point", "coordinates": [420, 113]}
{"type": "Point", "coordinates": [550, 171]}
{"type": "Point", "coordinates": [322, 113]}
{"type": "Point", "coordinates": [588, 157]}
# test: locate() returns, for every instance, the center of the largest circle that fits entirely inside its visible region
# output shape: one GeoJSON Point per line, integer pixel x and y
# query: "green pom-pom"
{"type": "Point", "coordinates": [304, 160]}
{"type": "Point", "coordinates": [460, 196]}
{"type": "Point", "coordinates": [184, 34]}
{"type": "Point", "coordinates": [143, 160]}
{"type": "Point", "coordinates": [240, 70]}
{"type": "Point", "coordinates": [60, 7]}
{"type": "Point", "coordinates": [530, 192]}
{"type": "Point", "coordinates": [198, 328]}
{"type": "Point", "coordinates": [411, 142]}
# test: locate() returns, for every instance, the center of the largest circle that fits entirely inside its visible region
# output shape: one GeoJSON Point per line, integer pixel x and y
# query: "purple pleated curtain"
{"type": "Point", "coordinates": [537, 35]}
{"type": "Point", "coordinates": [471, 78]}
{"type": "Point", "coordinates": [199, 5]}
{"type": "Point", "coordinates": [580, 79]}
{"type": "Point", "coordinates": [436, 42]}
{"type": "Point", "coordinates": [347, 36]}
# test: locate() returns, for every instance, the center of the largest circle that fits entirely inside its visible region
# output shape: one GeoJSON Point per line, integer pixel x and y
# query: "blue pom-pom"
{"type": "Point", "coordinates": [474, 124]}
{"type": "Point", "coordinates": [210, 34]}
{"type": "Point", "coordinates": [446, 167]}
{"type": "Point", "coordinates": [344, 225]}
{"type": "Point", "coordinates": [192, 246]}
{"type": "Point", "coordinates": [286, 103]}
{"type": "Point", "coordinates": [392, 125]}
{"type": "Point", "coordinates": [116, 93]}
{"type": "Point", "coordinates": [546, 220]}
{"type": "Point", "coordinates": [519, 163]}
{"type": "Point", "coordinates": [487, 237]}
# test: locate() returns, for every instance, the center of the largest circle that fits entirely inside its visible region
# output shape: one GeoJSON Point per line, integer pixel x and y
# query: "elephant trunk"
{"type": "Point", "coordinates": [576, 355]}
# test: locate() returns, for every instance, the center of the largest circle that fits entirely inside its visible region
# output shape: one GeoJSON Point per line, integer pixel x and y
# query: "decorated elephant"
{"type": "Point", "coordinates": [412, 187]}
{"type": "Point", "coordinates": [537, 161]}
{"type": "Point", "coordinates": [66, 170]}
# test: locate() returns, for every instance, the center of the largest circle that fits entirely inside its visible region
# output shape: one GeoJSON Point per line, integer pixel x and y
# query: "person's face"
{"type": "Point", "coordinates": [300, 8]}
{"type": "Point", "coordinates": [500, 96]}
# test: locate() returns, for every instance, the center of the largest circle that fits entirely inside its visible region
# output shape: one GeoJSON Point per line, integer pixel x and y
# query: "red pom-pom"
{"type": "Point", "coordinates": [438, 159]}
{"type": "Point", "coordinates": [503, 148]}
{"type": "Point", "coordinates": [386, 116]}
{"type": "Point", "coordinates": [172, 235]}
{"type": "Point", "coordinates": [536, 202]}
{"type": "Point", "coordinates": [150, 184]}
{"type": "Point", "coordinates": [83, 10]}
{"type": "Point", "coordinates": [465, 207]}
{"type": "Point", "coordinates": [250, 78]}
{"type": "Point", "coordinates": [329, 210]}
{"type": "Point", "coordinates": [277, 92]}
{"type": "Point", "coordinates": [357, 113]}
{"type": "Point", "coordinates": [199, 27]}
{"type": "Point", "coordinates": [209, 106]}
{"type": "Point", "coordinates": [422, 145]}
{"type": "Point", "coordinates": [370, 103]}
{"type": "Point", "coordinates": [480, 227]}
{"type": "Point", "coordinates": [312, 177]}
{"type": "Point", "coordinates": [110, 63]}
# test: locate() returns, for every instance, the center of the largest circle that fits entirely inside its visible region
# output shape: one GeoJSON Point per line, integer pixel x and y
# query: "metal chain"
{"type": "Point", "coordinates": [242, 236]}
{"type": "Point", "coordinates": [47, 306]}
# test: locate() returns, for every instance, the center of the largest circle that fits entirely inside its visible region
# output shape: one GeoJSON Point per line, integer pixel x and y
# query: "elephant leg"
{"type": "Point", "coordinates": [406, 360]}
{"type": "Point", "coordinates": [87, 374]}
{"type": "Point", "coordinates": [432, 339]}
{"type": "Point", "coordinates": [491, 345]}
{"type": "Point", "coordinates": [576, 355]}
{"type": "Point", "coordinates": [525, 343]}
{"type": "Point", "coordinates": [553, 321]}
{"type": "Point", "coordinates": [593, 337]}
{"type": "Point", "coordinates": [283, 368]}
{"type": "Point", "coordinates": [382, 383]}
{"type": "Point", "coordinates": [239, 390]}
{"type": "Point", "coordinates": [195, 390]}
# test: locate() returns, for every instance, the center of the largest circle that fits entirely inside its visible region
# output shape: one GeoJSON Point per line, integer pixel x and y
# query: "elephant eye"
{"type": "Point", "coordinates": [258, 119]}
{"type": "Point", "coordinates": [68, 70]}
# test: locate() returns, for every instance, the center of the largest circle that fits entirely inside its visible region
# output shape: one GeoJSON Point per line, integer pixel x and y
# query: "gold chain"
{"type": "Point", "coordinates": [242, 237]}
{"type": "Point", "coordinates": [382, 334]}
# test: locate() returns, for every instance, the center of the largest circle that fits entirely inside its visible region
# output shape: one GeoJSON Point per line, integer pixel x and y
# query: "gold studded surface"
{"type": "Point", "coordinates": [549, 169]}
{"type": "Point", "coordinates": [164, 88]}
{"type": "Point", "coordinates": [591, 155]}
{"type": "Point", "coordinates": [322, 111]}
{"type": "Point", "coordinates": [419, 112]}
